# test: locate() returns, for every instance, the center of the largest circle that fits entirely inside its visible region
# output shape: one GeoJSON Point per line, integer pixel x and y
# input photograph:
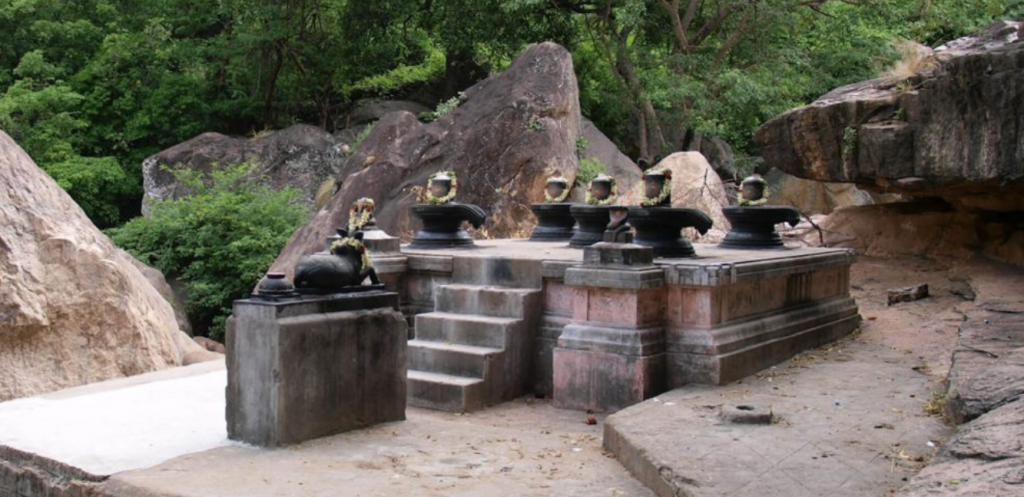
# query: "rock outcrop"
{"type": "Point", "coordinates": [817, 197]}
{"type": "Point", "coordinates": [299, 156]}
{"type": "Point", "coordinates": [507, 136]}
{"type": "Point", "coordinates": [953, 130]}
{"type": "Point", "coordinates": [616, 163]}
{"type": "Point", "coordinates": [925, 228]}
{"type": "Point", "coordinates": [73, 308]}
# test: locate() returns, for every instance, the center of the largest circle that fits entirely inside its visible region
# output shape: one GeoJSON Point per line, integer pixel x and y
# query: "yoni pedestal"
{"type": "Point", "coordinates": [612, 354]}
{"type": "Point", "coordinates": [308, 367]}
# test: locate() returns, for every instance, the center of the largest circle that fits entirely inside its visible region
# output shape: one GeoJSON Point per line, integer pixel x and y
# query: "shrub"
{"type": "Point", "coordinates": [99, 186]}
{"type": "Point", "coordinates": [588, 170]}
{"type": "Point", "coordinates": [220, 240]}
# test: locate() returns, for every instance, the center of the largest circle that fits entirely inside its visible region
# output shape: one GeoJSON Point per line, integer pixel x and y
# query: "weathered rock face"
{"type": "Point", "coordinates": [510, 133]}
{"type": "Point", "coordinates": [816, 197]}
{"type": "Point", "coordinates": [932, 229]}
{"type": "Point", "coordinates": [374, 111]}
{"type": "Point", "coordinates": [695, 185]}
{"type": "Point", "coordinates": [955, 130]}
{"type": "Point", "coordinates": [73, 308]}
{"type": "Point", "coordinates": [299, 156]}
{"type": "Point", "coordinates": [617, 164]}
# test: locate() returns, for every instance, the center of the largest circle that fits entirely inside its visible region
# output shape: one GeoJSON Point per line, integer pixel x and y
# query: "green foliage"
{"type": "Point", "coordinates": [582, 144]}
{"type": "Point", "coordinates": [849, 142]}
{"type": "Point", "coordinates": [445, 107]}
{"type": "Point", "coordinates": [358, 140]}
{"type": "Point", "coordinates": [588, 170]}
{"type": "Point", "coordinates": [99, 186]}
{"type": "Point", "coordinates": [220, 240]}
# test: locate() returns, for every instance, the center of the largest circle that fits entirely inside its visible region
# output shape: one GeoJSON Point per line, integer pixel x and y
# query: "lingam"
{"type": "Point", "coordinates": [554, 216]}
{"type": "Point", "coordinates": [442, 217]}
{"type": "Point", "coordinates": [659, 225]}
{"type": "Point", "coordinates": [592, 219]}
{"type": "Point", "coordinates": [753, 221]}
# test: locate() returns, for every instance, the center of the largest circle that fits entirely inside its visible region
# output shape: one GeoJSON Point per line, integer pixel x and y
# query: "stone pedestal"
{"type": "Point", "coordinates": [442, 225]}
{"type": "Point", "coordinates": [308, 367]}
{"type": "Point", "coordinates": [591, 222]}
{"type": "Point", "coordinates": [754, 227]}
{"type": "Point", "coordinates": [661, 229]}
{"type": "Point", "coordinates": [554, 222]}
{"type": "Point", "coordinates": [612, 354]}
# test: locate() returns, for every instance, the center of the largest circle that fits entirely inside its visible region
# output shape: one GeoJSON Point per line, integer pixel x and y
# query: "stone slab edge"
{"type": "Point", "coordinates": [28, 475]}
{"type": "Point", "coordinates": [697, 273]}
{"type": "Point", "coordinates": [655, 475]}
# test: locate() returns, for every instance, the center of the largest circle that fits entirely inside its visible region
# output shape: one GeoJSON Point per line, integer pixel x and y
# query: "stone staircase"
{"type": "Point", "coordinates": [473, 350]}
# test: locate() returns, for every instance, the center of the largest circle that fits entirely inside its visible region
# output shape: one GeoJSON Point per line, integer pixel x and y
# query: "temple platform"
{"type": "Point", "coordinates": [712, 319]}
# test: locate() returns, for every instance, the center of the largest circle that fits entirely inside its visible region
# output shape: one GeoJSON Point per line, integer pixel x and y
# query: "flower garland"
{"type": "Point", "coordinates": [359, 214]}
{"type": "Point", "coordinates": [764, 196]}
{"type": "Point", "coordinates": [561, 198]}
{"type": "Point", "coordinates": [612, 197]}
{"type": "Point", "coordinates": [666, 191]}
{"type": "Point", "coordinates": [355, 244]}
{"type": "Point", "coordinates": [431, 199]}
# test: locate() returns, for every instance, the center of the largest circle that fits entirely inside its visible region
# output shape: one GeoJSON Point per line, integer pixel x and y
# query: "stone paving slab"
{"type": "Point", "coordinates": [850, 423]}
{"type": "Point", "coordinates": [521, 448]}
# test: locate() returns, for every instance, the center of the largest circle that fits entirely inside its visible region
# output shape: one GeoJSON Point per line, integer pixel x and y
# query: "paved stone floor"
{"type": "Point", "coordinates": [852, 418]}
{"type": "Point", "coordinates": [520, 448]}
{"type": "Point", "coordinates": [850, 423]}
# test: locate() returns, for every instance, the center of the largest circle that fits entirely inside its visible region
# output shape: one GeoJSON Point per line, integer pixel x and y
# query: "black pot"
{"type": "Point", "coordinates": [554, 222]}
{"type": "Point", "coordinates": [754, 227]}
{"type": "Point", "coordinates": [442, 225]}
{"type": "Point", "coordinates": [661, 229]}
{"type": "Point", "coordinates": [592, 221]}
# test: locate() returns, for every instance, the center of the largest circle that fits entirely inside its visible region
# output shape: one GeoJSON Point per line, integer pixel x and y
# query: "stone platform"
{"type": "Point", "coordinates": [716, 318]}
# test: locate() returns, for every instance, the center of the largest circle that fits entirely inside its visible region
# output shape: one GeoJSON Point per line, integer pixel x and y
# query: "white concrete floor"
{"type": "Point", "coordinates": [121, 425]}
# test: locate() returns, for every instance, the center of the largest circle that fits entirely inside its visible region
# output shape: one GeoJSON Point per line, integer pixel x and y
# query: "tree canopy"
{"type": "Point", "coordinates": [91, 87]}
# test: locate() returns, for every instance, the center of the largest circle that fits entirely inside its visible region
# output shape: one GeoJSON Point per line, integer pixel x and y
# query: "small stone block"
{"type": "Point", "coordinates": [636, 278]}
{"type": "Point", "coordinates": [910, 294]}
{"type": "Point", "coordinates": [618, 254]}
{"type": "Point", "coordinates": [747, 415]}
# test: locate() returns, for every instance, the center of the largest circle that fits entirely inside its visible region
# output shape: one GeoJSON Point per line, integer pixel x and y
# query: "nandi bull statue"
{"type": "Point", "coordinates": [343, 268]}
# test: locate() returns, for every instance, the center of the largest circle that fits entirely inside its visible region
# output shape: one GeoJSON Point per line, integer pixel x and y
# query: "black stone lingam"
{"type": "Point", "coordinates": [442, 218]}
{"type": "Point", "coordinates": [554, 217]}
{"type": "Point", "coordinates": [661, 229]}
{"type": "Point", "coordinates": [658, 225]}
{"type": "Point", "coordinates": [753, 222]}
{"type": "Point", "coordinates": [592, 219]}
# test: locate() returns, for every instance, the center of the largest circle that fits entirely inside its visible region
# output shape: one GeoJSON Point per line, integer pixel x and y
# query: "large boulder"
{"type": "Point", "coordinates": [818, 197]}
{"type": "Point", "coordinates": [373, 111]}
{"type": "Point", "coordinates": [695, 185]}
{"type": "Point", "coordinates": [616, 163]}
{"type": "Point", "coordinates": [955, 129]}
{"type": "Point", "coordinates": [508, 135]}
{"type": "Point", "coordinates": [73, 308]}
{"type": "Point", "coordinates": [299, 156]}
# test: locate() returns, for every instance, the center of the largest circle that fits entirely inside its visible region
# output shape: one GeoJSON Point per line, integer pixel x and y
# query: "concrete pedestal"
{"type": "Point", "coordinates": [612, 354]}
{"type": "Point", "coordinates": [304, 368]}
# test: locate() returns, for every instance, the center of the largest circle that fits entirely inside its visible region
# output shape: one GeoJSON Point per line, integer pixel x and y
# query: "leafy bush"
{"type": "Point", "coordinates": [220, 240]}
{"type": "Point", "coordinates": [588, 170]}
{"type": "Point", "coordinates": [99, 186]}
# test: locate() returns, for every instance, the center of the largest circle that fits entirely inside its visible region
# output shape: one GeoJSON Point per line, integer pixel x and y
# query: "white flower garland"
{"type": "Point", "coordinates": [612, 197]}
{"type": "Point", "coordinates": [357, 245]}
{"type": "Point", "coordinates": [433, 200]}
{"type": "Point", "coordinates": [359, 214]}
{"type": "Point", "coordinates": [561, 198]}
{"type": "Point", "coordinates": [666, 191]}
{"type": "Point", "coordinates": [764, 196]}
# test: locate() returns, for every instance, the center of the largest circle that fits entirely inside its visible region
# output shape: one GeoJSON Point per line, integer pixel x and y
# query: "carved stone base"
{"type": "Point", "coordinates": [591, 222]}
{"type": "Point", "coordinates": [754, 227]}
{"type": "Point", "coordinates": [554, 222]}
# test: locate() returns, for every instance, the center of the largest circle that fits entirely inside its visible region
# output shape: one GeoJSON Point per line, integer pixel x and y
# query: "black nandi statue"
{"type": "Point", "coordinates": [343, 268]}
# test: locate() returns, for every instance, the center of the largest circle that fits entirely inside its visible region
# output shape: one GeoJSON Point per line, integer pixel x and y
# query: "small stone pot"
{"type": "Point", "coordinates": [654, 184]}
{"type": "Point", "coordinates": [752, 190]}
{"type": "Point", "coordinates": [440, 187]}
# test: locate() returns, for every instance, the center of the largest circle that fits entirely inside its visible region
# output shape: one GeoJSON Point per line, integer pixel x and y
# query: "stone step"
{"type": "Point", "coordinates": [465, 329]}
{"type": "Point", "coordinates": [450, 358]}
{"type": "Point", "coordinates": [491, 301]}
{"type": "Point", "coordinates": [446, 392]}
